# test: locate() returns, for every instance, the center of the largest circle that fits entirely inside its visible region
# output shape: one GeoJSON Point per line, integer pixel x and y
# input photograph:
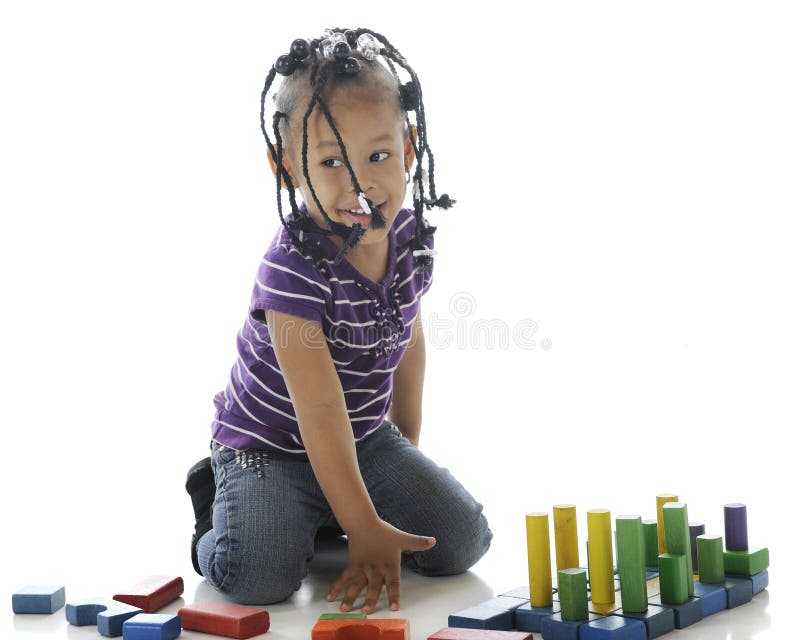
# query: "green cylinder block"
{"type": "Point", "coordinates": [710, 559]}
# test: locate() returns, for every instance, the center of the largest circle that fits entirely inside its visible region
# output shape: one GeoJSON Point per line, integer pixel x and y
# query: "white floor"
{"type": "Point", "coordinates": [426, 602]}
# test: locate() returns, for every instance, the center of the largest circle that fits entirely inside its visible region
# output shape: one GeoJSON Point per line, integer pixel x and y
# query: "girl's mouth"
{"type": "Point", "coordinates": [364, 219]}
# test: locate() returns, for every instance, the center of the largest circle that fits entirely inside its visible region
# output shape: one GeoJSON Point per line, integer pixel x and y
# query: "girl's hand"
{"type": "Point", "coordinates": [374, 560]}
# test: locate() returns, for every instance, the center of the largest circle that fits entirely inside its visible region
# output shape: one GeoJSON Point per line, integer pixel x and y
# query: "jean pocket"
{"type": "Point", "coordinates": [223, 454]}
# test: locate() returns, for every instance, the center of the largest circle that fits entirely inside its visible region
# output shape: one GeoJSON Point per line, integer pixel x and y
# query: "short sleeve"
{"type": "Point", "coordinates": [427, 276]}
{"type": "Point", "coordinates": [288, 282]}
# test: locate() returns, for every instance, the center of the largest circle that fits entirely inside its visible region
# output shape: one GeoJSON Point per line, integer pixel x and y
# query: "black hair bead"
{"type": "Point", "coordinates": [351, 37]}
{"type": "Point", "coordinates": [285, 65]}
{"type": "Point", "coordinates": [341, 50]}
{"type": "Point", "coordinates": [299, 49]}
{"type": "Point", "coordinates": [350, 66]}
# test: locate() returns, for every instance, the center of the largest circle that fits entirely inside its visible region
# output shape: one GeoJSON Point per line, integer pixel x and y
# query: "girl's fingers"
{"type": "Point", "coordinates": [374, 585]}
{"type": "Point", "coordinates": [354, 588]}
{"type": "Point", "coordinates": [393, 589]}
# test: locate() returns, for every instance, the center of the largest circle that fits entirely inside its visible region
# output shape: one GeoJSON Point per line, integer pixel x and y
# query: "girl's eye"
{"type": "Point", "coordinates": [379, 153]}
{"type": "Point", "coordinates": [325, 162]}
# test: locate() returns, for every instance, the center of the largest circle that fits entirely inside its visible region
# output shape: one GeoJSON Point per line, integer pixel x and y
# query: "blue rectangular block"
{"type": "Point", "coordinates": [529, 618]}
{"type": "Point", "coordinates": [760, 580]}
{"type": "Point", "coordinates": [504, 603]}
{"type": "Point", "coordinates": [481, 617]}
{"type": "Point", "coordinates": [740, 590]}
{"type": "Point", "coordinates": [685, 614]}
{"type": "Point", "coordinates": [107, 614]}
{"type": "Point", "coordinates": [713, 596]}
{"type": "Point", "coordinates": [151, 626]}
{"type": "Point", "coordinates": [38, 599]}
{"type": "Point", "coordinates": [554, 628]}
{"type": "Point", "coordinates": [657, 620]}
{"type": "Point", "coordinates": [650, 573]}
{"type": "Point", "coordinates": [613, 628]}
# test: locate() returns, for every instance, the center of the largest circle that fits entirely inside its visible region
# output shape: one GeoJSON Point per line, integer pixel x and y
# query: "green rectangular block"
{"type": "Point", "coordinates": [747, 563]}
{"type": "Point", "coordinates": [677, 538]}
{"type": "Point", "coordinates": [630, 562]}
{"type": "Point", "coordinates": [672, 578]}
{"type": "Point", "coordinates": [355, 615]}
{"type": "Point", "coordinates": [572, 594]}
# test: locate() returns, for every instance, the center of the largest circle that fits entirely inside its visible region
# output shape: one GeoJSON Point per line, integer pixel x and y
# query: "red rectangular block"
{"type": "Point", "coordinates": [152, 593]}
{"type": "Point", "coordinates": [366, 629]}
{"type": "Point", "coordinates": [231, 620]}
{"type": "Point", "coordinates": [452, 633]}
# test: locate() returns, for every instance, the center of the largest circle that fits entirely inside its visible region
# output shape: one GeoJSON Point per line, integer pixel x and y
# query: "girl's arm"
{"type": "Point", "coordinates": [374, 546]}
{"type": "Point", "coordinates": [406, 409]}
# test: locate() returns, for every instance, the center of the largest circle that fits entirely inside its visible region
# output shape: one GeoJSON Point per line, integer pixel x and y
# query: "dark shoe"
{"type": "Point", "coordinates": [201, 487]}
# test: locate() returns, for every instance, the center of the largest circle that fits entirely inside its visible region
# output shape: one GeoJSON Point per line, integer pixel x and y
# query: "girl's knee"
{"type": "Point", "coordinates": [455, 553]}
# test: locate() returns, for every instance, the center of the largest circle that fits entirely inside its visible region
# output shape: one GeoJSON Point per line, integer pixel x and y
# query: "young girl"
{"type": "Point", "coordinates": [320, 421]}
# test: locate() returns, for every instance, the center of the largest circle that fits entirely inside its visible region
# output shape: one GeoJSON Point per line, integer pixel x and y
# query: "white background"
{"type": "Point", "coordinates": [627, 184]}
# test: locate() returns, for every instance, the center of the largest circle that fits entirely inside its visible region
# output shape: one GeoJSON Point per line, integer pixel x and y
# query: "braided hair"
{"type": "Point", "coordinates": [339, 57]}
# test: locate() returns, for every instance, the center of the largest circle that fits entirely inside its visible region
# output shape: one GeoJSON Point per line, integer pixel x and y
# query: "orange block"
{"type": "Point", "coordinates": [152, 593]}
{"type": "Point", "coordinates": [364, 629]}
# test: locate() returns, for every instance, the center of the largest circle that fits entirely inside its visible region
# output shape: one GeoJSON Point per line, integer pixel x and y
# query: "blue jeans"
{"type": "Point", "coordinates": [266, 516]}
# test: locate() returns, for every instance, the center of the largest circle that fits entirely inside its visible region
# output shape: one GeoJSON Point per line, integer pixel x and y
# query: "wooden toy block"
{"type": "Point", "coordinates": [151, 626]}
{"type": "Point", "coordinates": [650, 543]}
{"type": "Point", "coordinates": [537, 527]}
{"type": "Point", "coordinates": [695, 529]}
{"type": "Point", "coordinates": [713, 596]}
{"type": "Point", "coordinates": [482, 617]}
{"type": "Point", "coordinates": [556, 628]}
{"type": "Point", "coordinates": [672, 578]}
{"type": "Point", "coordinates": [746, 563]}
{"type": "Point", "coordinates": [601, 568]}
{"type": "Point", "coordinates": [223, 619]}
{"type": "Point", "coordinates": [565, 527]}
{"type": "Point", "coordinates": [685, 614]}
{"type": "Point", "coordinates": [529, 618]}
{"type": "Point", "coordinates": [523, 593]}
{"type": "Point", "coordinates": [630, 559]}
{"type": "Point", "coordinates": [710, 559]}
{"type": "Point", "coordinates": [605, 608]}
{"type": "Point", "coordinates": [572, 593]}
{"type": "Point", "coordinates": [613, 628]}
{"type": "Point", "coordinates": [503, 603]}
{"type": "Point", "coordinates": [661, 500]}
{"type": "Point", "coordinates": [739, 591]}
{"type": "Point", "coordinates": [657, 620]}
{"type": "Point", "coordinates": [735, 527]}
{"type": "Point", "coordinates": [760, 581]}
{"type": "Point", "coordinates": [38, 599]}
{"type": "Point", "coordinates": [451, 633]}
{"type": "Point", "coordinates": [368, 629]}
{"type": "Point", "coordinates": [677, 537]}
{"type": "Point", "coordinates": [152, 593]}
{"type": "Point", "coordinates": [107, 614]}
{"type": "Point", "coordinates": [352, 615]}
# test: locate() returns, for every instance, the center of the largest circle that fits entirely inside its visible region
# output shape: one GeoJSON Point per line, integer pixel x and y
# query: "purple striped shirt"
{"type": "Point", "coordinates": [367, 326]}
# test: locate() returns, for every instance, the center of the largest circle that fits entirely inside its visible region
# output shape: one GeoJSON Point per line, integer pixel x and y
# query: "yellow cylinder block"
{"type": "Point", "coordinates": [540, 579]}
{"type": "Point", "coordinates": [565, 526]}
{"type": "Point", "coordinates": [601, 560]}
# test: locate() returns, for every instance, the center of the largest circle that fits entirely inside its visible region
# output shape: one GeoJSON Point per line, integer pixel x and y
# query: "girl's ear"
{"type": "Point", "coordinates": [408, 149]}
{"type": "Point", "coordinates": [274, 166]}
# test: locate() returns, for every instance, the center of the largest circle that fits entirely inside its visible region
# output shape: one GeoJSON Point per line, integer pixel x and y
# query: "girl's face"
{"type": "Point", "coordinates": [372, 132]}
